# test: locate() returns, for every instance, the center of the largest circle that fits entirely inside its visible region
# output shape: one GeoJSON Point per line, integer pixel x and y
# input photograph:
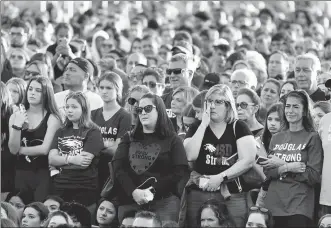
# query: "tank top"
{"type": "Point", "coordinates": [33, 137]}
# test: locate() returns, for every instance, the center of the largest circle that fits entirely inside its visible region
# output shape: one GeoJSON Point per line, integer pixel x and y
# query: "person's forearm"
{"type": "Point", "coordinates": [193, 145]}
{"type": "Point", "coordinates": [14, 143]}
{"type": "Point", "coordinates": [239, 168]}
{"type": "Point", "coordinates": [57, 160]}
{"type": "Point", "coordinates": [34, 150]}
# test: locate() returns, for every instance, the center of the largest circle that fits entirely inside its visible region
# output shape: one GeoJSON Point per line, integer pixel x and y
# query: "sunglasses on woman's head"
{"type": "Point", "coordinates": [147, 109]}
{"type": "Point", "coordinates": [261, 209]}
{"type": "Point", "coordinates": [176, 71]}
{"type": "Point", "coordinates": [31, 73]}
{"type": "Point", "coordinates": [243, 105]}
{"type": "Point", "coordinates": [132, 101]}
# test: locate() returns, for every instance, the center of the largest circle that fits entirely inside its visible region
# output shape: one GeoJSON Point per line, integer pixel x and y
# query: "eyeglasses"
{"type": "Point", "coordinates": [132, 101]}
{"type": "Point", "coordinates": [240, 83]}
{"type": "Point", "coordinates": [243, 105]}
{"type": "Point", "coordinates": [19, 57]}
{"type": "Point", "coordinates": [216, 102]}
{"type": "Point", "coordinates": [110, 46]}
{"type": "Point", "coordinates": [137, 75]}
{"type": "Point", "coordinates": [16, 34]}
{"type": "Point", "coordinates": [147, 109]}
{"type": "Point", "coordinates": [151, 85]}
{"type": "Point", "coordinates": [175, 71]}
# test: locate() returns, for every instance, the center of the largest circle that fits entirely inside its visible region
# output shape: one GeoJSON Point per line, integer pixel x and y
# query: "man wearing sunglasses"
{"type": "Point", "coordinates": [154, 80]}
{"type": "Point", "coordinates": [242, 78]}
{"type": "Point", "coordinates": [180, 72]}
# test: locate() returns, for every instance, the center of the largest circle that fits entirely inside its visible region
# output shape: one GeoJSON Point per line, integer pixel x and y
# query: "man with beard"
{"type": "Point", "coordinates": [19, 36]}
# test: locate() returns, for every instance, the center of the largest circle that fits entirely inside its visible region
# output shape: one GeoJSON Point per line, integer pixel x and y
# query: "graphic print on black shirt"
{"type": "Point", "coordinates": [142, 157]}
{"type": "Point", "coordinates": [70, 145]}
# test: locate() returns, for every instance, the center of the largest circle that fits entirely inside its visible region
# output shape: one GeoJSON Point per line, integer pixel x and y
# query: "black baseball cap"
{"type": "Point", "coordinates": [210, 80]}
{"type": "Point", "coordinates": [83, 64]}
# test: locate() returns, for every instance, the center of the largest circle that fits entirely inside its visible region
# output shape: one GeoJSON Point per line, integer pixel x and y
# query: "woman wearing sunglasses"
{"type": "Point", "coordinates": [154, 80]}
{"type": "Point", "coordinates": [113, 120]}
{"type": "Point", "coordinates": [150, 163]}
{"type": "Point", "coordinates": [31, 132]}
{"type": "Point", "coordinates": [294, 165]}
{"type": "Point", "coordinates": [135, 94]}
{"type": "Point", "coordinates": [18, 58]}
{"type": "Point", "coordinates": [259, 217]}
{"type": "Point", "coordinates": [211, 144]}
{"type": "Point", "coordinates": [248, 103]}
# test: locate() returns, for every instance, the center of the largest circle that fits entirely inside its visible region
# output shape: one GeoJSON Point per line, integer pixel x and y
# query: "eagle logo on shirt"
{"type": "Point", "coordinates": [209, 147]}
{"type": "Point", "coordinates": [74, 146]}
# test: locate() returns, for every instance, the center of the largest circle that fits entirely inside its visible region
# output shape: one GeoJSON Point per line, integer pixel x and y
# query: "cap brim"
{"type": "Point", "coordinates": [180, 49]}
{"type": "Point", "coordinates": [328, 83]}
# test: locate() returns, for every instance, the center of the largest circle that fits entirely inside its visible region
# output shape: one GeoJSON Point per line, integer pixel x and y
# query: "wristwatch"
{"type": "Point", "coordinates": [225, 177]}
{"type": "Point", "coordinates": [16, 127]}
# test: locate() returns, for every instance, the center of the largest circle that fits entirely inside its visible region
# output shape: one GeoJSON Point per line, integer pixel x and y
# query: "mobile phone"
{"type": "Point", "coordinates": [261, 159]}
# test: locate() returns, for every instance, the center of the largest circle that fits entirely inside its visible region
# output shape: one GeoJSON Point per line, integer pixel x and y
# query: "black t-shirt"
{"type": "Point", "coordinates": [52, 49]}
{"type": "Point", "coordinates": [167, 98]}
{"type": "Point", "coordinates": [72, 141]}
{"type": "Point", "coordinates": [318, 95]}
{"type": "Point", "coordinates": [111, 129]}
{"type": "Point", "coordinates": [34, 137]}
{"type": "Point", "coordinates": [213, 155]}
{"type": "Point", "coordinates": [137, 160]}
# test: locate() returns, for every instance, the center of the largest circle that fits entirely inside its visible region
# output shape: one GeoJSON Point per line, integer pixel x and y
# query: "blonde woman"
{"type": "Point", "coordinates": [211, 144]}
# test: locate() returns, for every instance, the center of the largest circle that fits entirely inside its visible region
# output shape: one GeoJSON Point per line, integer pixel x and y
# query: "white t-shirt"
{"type": "Point", "coordinates": [325, 134]}
{"type": "Point", "coordinates": [94, 100]}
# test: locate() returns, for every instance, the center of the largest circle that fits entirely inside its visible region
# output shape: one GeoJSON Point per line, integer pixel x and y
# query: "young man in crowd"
{"type": "Point", "coordinates": [19, 36]}
{"type": "Point", "coordinates": [76, 76]}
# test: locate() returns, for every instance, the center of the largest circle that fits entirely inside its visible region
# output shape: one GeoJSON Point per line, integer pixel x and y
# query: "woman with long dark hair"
{"type": "Point", "coordinates": [31, 133]}
{"type": "Point", "coordinates": [294, 164]}
{"type": "Point", "coordinates": [150, 163]}
{"type": "Point", "coordinates": [75, 151]}
{"type": "Point", "coordinates": [113, 120]}
{"type": "Point", "coordinates": [106, 214]}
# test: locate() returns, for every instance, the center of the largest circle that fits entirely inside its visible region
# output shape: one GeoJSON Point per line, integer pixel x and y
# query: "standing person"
{"type": "Point", "coordinates": [75, 151]}
{"type": "Point", "coordinates": [150, 163]}
{"type": "Point", "coordinates": [113, 120]}
{"type": "Point", "coordinates": [278, 65]}
{"type": "Point", "coordinates": [32, 143]}
{"type": "Point", "coordinates": [34, 214]}
{"type": "Point", "coordinates": [325, 134]}
{"type": "Point", "coordinates": [248, 103]}
{"type": "Point", "coordinates": [16, 87]}
{"type": "Point", "coordinates": [19, 36]}
{"type": "Point", "coordinates": [134, 96]}
{"type": "Point", "coordinates": [61, 52]}
{"type": "Point", "coordinates": [242, 78]}
{"type": "Point", "coordinates": [18, 59]}
{"type": "Point", "coordinates": [307, 67]}
{"type": "Point", "coordinates": [180, 73]}
{"type": "Point", "coordinates": [288, 86]}
{"type": "Point", "coordinates": [210, 143]}
{"type": "Point", "coordinates": [76, 77]}
{"type": "Point", "coordinates": [106, 215]}
{"type": "Point", "coordinates": [269, 95]}
{"type": "Point", "coordinates": [320, 109]}
{"type": "Point", "coordinates": [295, 163]}
{"type": "Point", "coordinates": [8, 160]}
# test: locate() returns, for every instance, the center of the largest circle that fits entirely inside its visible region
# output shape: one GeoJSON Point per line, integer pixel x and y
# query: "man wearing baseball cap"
{"type": "Point", "coordinates": [75, 77]}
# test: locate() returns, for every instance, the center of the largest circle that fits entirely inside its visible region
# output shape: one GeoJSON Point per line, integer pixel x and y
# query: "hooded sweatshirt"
{"type": "Point", "coordinates": [293, 193]}
{"type": "Point", "coordinates": [94, 51]}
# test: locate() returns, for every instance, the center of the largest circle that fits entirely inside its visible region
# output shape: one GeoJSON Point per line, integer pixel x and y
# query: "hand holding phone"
{"type": "Point", "coordinates": [261, 159]}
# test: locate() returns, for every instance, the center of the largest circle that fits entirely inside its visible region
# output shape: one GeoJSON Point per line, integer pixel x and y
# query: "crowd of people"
{"type": "Point", "coordinates": [201, 118]}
